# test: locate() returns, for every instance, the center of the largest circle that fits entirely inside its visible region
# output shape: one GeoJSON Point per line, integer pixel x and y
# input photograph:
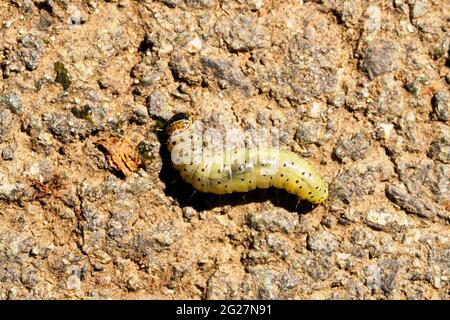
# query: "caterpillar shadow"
{"type": "Point", "coordinates": [187, 196]}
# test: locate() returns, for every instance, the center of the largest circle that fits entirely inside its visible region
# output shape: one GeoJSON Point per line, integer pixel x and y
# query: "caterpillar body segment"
{"type": "Point", "coordinates": [226, 171]}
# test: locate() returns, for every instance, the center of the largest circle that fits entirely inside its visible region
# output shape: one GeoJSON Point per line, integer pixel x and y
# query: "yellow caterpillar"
{"type": "Point", "coordinates": [240, 170]}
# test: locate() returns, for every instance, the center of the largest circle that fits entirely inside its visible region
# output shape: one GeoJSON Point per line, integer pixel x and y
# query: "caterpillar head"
{"type": "Point", "coordinates": [178, 128]}
{"type": "Point", "coordinates": [178, 124]}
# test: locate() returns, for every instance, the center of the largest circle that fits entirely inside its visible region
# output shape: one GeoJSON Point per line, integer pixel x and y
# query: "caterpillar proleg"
{"type": "Point", "coordinates": [242, 169]}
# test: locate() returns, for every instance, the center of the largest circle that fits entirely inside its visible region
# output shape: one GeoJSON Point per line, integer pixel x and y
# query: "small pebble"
{"type": "Point", "coordinates": [322, 241]}
{"type": "Point", "coordinates": [7, 154]}
{"type": "Point", "coordinates": [12, 101]}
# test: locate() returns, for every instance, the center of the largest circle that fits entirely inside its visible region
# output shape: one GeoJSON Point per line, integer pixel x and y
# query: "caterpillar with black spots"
{"type": "Point", "coordinates": [226, 171]}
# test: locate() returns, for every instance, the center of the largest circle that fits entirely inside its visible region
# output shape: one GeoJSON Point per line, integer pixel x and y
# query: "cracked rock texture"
{"type": "Point", "coordinates": [359, 88]}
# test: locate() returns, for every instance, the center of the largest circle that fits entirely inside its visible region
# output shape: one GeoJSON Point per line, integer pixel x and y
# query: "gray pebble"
{"type": "Point", "coordinates": [30, 57]}
{"type": "Point", "coordinates": [14, 192]}
{"type": "Point", "coordinates": [322, 241]}
{"type": "Point", "coordinates": [133, 283]}
{"type": "Point", "coordinates": [242, 33]}
{"type": "Point", "coordinates": [356, 148]}
{"type": "Point", "coordinates": [310, 133]}
{"type": "Point", "coordinates": [73, 282]}
{"type": "Point", "coordinates": [415, 175]}
{"type": "Point", "coordinates": [337, 100]}
{"type": "Point", "coordinates": [148, 71]}
{"type": "Point", "coordinates": [262, 117]}
{"type": "Point", "coordinates": [8, 154]}
{"type": "Point", "coordinates": [157, 105]}
{"type": "Point", "coordinates": [30, 277]}
{"type": "Point", "coordinates": [352, 183]}
{"type": "Point", "coordinates": [265, 283]}
{"type": "Point", "coordinates": [12, 101]}
{"type": "Point", "coordinates": [363, 237]}
{"type": "Point", "coordinates": [66, 127]}
{"type": "Point", "coordinates": [386, 221]}
{"type": "Point", "coordinates": [30, 41]}
{"type": "Point", "coordinates": [26, 6]}
{"type": "Point", "coordinates": [69, 197]}
{"type": "Point", "coordinates": [389, 269]}
{"type": "Point", "coordinates": [400, 4]}
{"type": "Point", "coordinates": [139, 115]}
{"type": "Point", "coordinates": [373, 277]}
{"type": "Point", "coordinates": [441, 257]}
{"type": "Point", "coordinates": [413, 87]}
{"type": "Point", "coordinates": [13, 294]}
{"type": "Point", "coordinates": [93, 219]}
{"type": "Point", "coordinates": [5, 124]}
{"type": "Point", "coordinates": [258, 256]}
{"type": "Point", "coordinates": [440, 183]}
{"type": "Point", "coordinates": [289, 280]}
{"type": "Point", "coordinates": [30, 51]}
{"type": "Point", "coordinates": [440, 148]}
{"type": "Point", "coordinates": [419, 8]}
{"type": "Point", "coordinates": [141, 245]}
{"type": "Point", "coordinates": [307, 69]}
{"type": "Point", "coordinates": [199, 3]}
{"type": "Point", "coordinates": [278, 245]}
{"type": "Point", "coordinates": [64, 212]}
{"type": "Point", "coordinates": [355, 290]}
{"type": "Point", "coordinates": [227, 74]}
{"type": "Point", "coordinates": [165, 234]}
{"type": "Point", "coordinates": [118, 225]}
{"type": "Point", "coordinates": [410, 203]}
{"type": "Point", "coordinates": [185, 68]}
{"type": "Point", "coordinates": [440, 104]}
{"type": "Point", "coordinates": [379, 58]}
{"type": "Point", "coordinates": [273, 221]}
{"type": "Point", "coordinates": [189, 212]}
{"type": "Point", "coordinates": [318, 268]}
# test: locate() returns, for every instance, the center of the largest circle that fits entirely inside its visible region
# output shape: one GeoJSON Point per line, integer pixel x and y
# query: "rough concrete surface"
{"type": "Point", "coordinates": [90, 207]}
